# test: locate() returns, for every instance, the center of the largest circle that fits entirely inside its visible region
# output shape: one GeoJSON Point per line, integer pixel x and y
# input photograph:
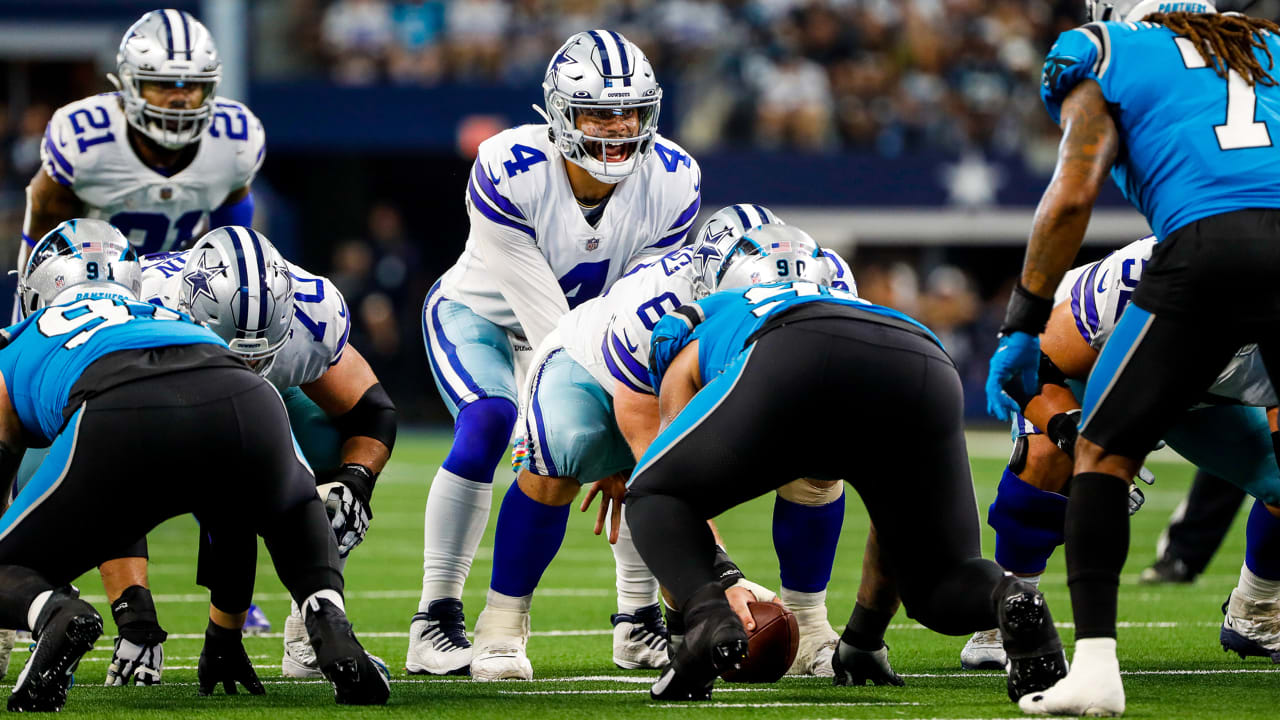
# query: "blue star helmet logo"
{"type": "Point", "coordinates": [708, 252]}
{"type": "Point", "coordinates": [198, 281]}
{"type": "Point", "coordinates": [563, 59]}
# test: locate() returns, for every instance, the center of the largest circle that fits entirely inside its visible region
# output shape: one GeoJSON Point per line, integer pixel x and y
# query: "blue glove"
{"type": "Point", "coordinates": [1017, 355]}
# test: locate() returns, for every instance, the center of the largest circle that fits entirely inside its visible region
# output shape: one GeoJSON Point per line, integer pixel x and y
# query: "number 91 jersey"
{"type": "Point", "coordinates": [86, 148]}
{"type": "Point", "coordinates": [317, 337]}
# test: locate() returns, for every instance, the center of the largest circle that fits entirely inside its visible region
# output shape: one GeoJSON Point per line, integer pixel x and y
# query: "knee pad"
{"type": "Point", "coordinates": [480, 437]}
{"type": "Point", "coordinates": [1028, 522]}
{"type": "Point", "coordinates": [804, 492]}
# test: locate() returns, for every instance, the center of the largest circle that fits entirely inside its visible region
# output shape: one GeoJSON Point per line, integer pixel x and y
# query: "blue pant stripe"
{"type": "Point", "coordinates": [543, 449]}
{"type": "Point", "coordinates": [1115, 355]}
{"type": "Point", "coordinates": [48, 478]}
{"type": "Point", "coordinates": [447, 349]}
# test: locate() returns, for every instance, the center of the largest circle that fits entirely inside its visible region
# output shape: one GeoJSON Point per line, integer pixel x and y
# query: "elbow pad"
{"type": "Point", "coordinates": [374, 416]}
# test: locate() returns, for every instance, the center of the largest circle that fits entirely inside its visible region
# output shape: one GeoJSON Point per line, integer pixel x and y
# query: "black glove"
{"type": "Point", "coordinates": [223, 660]}
{"type": "Point", "coordinates": [346, 499]}
{"type": "Point", "coordinates": [858, 667]}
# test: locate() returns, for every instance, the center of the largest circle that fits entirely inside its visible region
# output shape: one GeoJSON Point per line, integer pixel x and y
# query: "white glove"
{"type": "Point", "coordinates": [135, 664]}
{"type": "Point", "coordinates": [348, 515]}
{"type": "Point", "coordinates": [762, 593]}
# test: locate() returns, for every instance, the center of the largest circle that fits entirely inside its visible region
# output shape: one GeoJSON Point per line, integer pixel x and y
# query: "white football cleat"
{"type": "Point", "coordinates": [501, 637]}
{"type": "Point", "coordinates": [984, 651]}
{"type": "Point", "coordinates": [817, 643]}
{"type": "Point", "coordinates": [1092, 688]}
{"type": "Point", "coordinates": [640, 639]}
{"type": "Point", "coordinates": [438, 642]}
{"type": "Point", "coordinates": [1251, 627]}
{"type": "Point", "coordinates": [299, 659]}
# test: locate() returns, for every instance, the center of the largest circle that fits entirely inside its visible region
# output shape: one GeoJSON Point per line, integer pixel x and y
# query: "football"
{"type": "Point", "coordinates": [771, 647]}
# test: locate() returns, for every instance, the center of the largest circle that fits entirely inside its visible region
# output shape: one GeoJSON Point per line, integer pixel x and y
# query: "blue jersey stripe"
{"type": "Point", "coordinates": [628, 360]}
{"type": "Point", "coordinates": [500, 201]}
{"type": "Point", "coordinates": [617, 373]}
{"type": "Point", "coordinates": [1091, 300]}
{"type": "Point", "coordinates": [496, 216]}
{"type": "Point", "coordinates": [672, 239]}
{"type": "Point", "coordinates": [688, 214]}
{"type": "Point", "coordinates": [57, 156]}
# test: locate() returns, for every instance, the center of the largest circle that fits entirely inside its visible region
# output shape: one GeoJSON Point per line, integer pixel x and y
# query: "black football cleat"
{"type": "Point", "coordinates": [71, 628]}
{"type": "Point", "coordinates": [716, 643]}
{"type": "Point", "coordinates": [1036, 659]}
{"type": "Point", "coordinates": [1167, 570]}
{"type": "Point", "coordinates": [357, 678]}
{"type": "Point", "coordinates": [853, 666]}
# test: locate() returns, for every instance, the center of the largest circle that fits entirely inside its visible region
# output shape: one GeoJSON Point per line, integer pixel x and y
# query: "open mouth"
{"type": "Point", "coordinates": [610, 152]}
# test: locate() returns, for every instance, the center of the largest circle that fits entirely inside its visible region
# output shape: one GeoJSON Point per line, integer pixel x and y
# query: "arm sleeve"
{"type": "Point", "coordinates": [57, 158]}
{"type": "Point", "coordinates": [1078, 55]}
{"type": "Point", "coordinates": [237, 213]}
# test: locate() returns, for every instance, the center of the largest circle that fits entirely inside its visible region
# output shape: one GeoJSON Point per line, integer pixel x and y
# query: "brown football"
{"type": "Point", "coordinates": [771, 647]}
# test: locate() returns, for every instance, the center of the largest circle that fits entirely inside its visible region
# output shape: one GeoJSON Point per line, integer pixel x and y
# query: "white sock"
{"type": "Point", "coordinates": [1032, 580]}
{"type": "Point", "coordinates": [498, 601]}
{"type": "Point", "coordinates": [637, 587]}
{"type": "Point", "coordinates": [797, 601]}
{"type": "Point", "coordinates": [1256, 589]}
{"type": "Point", "coordinates": [37, 606]}
{"type": "Point", "coordinates": [1093, 652]}
{"type": "Point", "coordinates": [454, 521]}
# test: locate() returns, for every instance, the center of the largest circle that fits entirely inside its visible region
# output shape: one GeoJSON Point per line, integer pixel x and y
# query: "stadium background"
{"type": "Point", "coordinates": [907, 135]}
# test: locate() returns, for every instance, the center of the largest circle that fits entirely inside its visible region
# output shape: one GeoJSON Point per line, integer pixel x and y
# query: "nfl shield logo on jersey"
{"type": "Point", "coordinates": [166, 193]}
{"type": "Point", "coordinates": [593, 243]}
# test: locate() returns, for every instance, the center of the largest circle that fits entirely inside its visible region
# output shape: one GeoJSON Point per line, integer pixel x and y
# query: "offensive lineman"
{"type": "Point", "coordinates": [158, 158]}
{"type": "Point", "coordinates": [589, 370]}
{"type": "Point", "coordinates": [558, 213]}
{"type": "Point", "coordinates": [1181, 109]}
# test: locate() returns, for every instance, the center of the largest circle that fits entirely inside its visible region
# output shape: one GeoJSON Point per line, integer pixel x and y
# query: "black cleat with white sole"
{"type": "Point", "coordinates": [357, 678]}
{"type": "Point", "coordinates": [1036, 659]}
{"type": "Point", "coordinates": [71, 628]}
{"type": "Point", "coordinates": [716, 642]}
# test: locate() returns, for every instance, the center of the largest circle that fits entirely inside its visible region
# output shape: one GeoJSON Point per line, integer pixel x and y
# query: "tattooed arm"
{"type": "Point", "coordinates": [1090, 142]}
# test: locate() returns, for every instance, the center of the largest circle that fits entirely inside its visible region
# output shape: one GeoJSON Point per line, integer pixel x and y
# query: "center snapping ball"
{"type": "Point", "coordinates": [771, 647]}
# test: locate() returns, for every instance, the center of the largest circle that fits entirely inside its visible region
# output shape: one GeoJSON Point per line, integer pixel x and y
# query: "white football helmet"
{"type": "Point", "coordinates": [774, 253]}
{"type": "Point", "coordinates": [1135, 10]}
{"type": "Point", "coordinates": [719, 235]}
{"type": "Point", "coordinates": [88, 256]}
{"type": "Point", "coordinates": [236, 283]}
{"type": "Point", "coordinates": [167, 46]}
{"type": "Point", "coordinates": [600, 70]}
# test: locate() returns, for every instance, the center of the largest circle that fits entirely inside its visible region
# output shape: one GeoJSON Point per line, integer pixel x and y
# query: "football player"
{"type": "Point", "coordinates": [91, 357]}
{"type": "Point", "coordinates": [1143, 94]}
{"type": "Point", "coordinates": [588, 371]}
{"type": "Point", "coordinates": [761, 360]}
{"type": "Point", "coordinates": [159, 158]}
{"type": "Point", "coordinates": [558, 212]}
{"type": "Point", "coordinates": [1229, 437]}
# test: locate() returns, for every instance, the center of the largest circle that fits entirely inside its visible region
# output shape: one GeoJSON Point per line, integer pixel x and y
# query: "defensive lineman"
{"type": "Point", "coordinates": [1188, 98]}
{"type": "Point", "coordinates": [558, 213]}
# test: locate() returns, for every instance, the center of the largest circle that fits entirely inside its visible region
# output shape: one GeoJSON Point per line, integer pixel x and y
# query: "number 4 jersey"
{"type": "Point", "coordinates": [86, 148]}
{"type": "Point", "coordinates": [317, 337]}
{"type": "Point", "coordinates": [1192, 143]}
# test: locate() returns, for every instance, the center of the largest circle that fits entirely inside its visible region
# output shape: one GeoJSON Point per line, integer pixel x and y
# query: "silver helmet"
{"type": "Point", "coordinates": [600, 71]}
{"type": "Point", "coordinates": [774, 253]}
{"type": "Point", "coordinates": [718, 236]}
{"type": "Point", "coordinates": [1135, 10]}
{"type": "Point", "coordinates": [167, 46]}
{"type": "Point", "coordinates": [89, 257]}
{"type": "Point", "coordinates": [236, 283]}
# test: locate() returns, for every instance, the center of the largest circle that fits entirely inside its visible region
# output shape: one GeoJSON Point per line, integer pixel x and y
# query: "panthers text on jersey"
{"type": "Point", "coordinates": [1098, 294]}
{"type": "Point", "coordinates": [44, 355]}
{"type": "Point", "coordinates": [86, 148]}
{"type": "Point", "coordinates": [609, 336]}
{"type": "Point", "coordinates": [317, 337]}
{"type": "Point", "coordinates": [522, 206]}
{"type": "Point", "coordinates": [1194, 144]}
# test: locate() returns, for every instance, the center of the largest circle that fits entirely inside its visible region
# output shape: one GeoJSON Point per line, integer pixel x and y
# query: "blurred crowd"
{"type": "Point", "coordinates": [810, 75]}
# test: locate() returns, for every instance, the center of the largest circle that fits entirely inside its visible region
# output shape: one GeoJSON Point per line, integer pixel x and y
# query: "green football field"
{"type": "Point", "coordinates": [1169, 648]}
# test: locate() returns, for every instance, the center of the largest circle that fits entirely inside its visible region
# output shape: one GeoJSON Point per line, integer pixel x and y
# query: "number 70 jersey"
{"type": "Point", "coordinates": [1193, 143]}
{"type": "Point", "coordinates": [86, 149]}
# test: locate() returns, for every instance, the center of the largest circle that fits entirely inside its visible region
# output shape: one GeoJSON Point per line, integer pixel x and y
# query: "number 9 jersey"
{"type": "Point", "coordinates": [1192, 144]}
{"type": "Point", "coordinates": [86, 149]}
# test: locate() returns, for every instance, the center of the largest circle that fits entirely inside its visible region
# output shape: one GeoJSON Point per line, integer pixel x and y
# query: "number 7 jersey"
{"type": "Point", "coordinates": [1192, 143]}
{"type": "Point", "coordinates": [86, 149]}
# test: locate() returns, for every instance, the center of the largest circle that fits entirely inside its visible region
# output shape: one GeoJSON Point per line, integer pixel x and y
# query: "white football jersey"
{"type": "Point", "coordinates": [1100, 291]}
{"type": "Point", "coordinates": [86, 148]}
{"type": "Point", "coordinates": [609, 336]}
{"type": "Point", "coordinates": [317, 337]}
{"type": "Point", "coordinates": [519, 192]}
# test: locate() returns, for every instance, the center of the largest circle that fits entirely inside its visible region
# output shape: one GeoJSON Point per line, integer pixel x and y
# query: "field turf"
{"type": "Point", "coordinates": [1169, 648]}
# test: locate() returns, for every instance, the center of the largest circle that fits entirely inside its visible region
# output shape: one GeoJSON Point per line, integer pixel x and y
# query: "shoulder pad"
{"type": "Point", "coordinates": [503, 162]}
{"type": "Point", "coordinates": [73, 133]}
{"type": "Point", "coordinates": [233, 123]}
{"type": "Point", "coordinates": [678, 181]}
{"type": "Point", "coordinates": [1080, 54]}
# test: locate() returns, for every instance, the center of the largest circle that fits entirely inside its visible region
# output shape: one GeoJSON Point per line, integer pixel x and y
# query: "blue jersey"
{"type": "Point", "coordinates": [1193, 144]}
{"type": "Point", "coordinates": [722, 323]}
{"type": "Point", "coordinates": [47, 352]}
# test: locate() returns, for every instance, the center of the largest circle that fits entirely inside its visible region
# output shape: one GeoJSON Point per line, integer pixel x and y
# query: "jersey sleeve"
{"type": "Point", "coordinates": [234, 120]}
{"type": "Point", "coordinates": [682, 191]}
{"type": "Point", "coordinates": [321, 317]}
{"type": "Point", "coordinates": [63, 151]}
{"type": "Point", "coordinates": [1080, 54]}
{"type": "Point", "coordinates": [504, 237]}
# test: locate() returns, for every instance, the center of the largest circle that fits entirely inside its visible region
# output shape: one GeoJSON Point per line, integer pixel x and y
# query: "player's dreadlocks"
{"type": "Point", "coordinates": [1225, 41]}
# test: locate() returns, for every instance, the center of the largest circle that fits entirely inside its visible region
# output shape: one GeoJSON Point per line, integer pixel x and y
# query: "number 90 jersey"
{"type": "Point", "coordinates": [609, 336]}
{"type": "Point", "coordinates": [1193, 144]}
{"type": "Point", "coordinates": [86, 148]}
{"type": "Point", "coordinates": [521, 205]}
{"type": "Point", "coordinates": [317, 337]}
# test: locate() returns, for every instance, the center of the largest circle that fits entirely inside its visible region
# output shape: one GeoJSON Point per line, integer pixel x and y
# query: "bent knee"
{"type": "Point", "coordinates": [807, 491]}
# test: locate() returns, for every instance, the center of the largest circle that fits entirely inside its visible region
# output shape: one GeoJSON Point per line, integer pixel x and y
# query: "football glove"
{"type": "Point", "coordinates": [859, 667]}
{"type": "Point", "coordinates": [223, 660]}
{"type": "Point", "coordinates": [346, 499]}
{"type": "Point", "coordinates": [1017, 358]}
{"type": "Point", "coordinates": [134, 664]}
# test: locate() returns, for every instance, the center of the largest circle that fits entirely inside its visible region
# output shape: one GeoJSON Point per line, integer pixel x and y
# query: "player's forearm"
{"type": "Point", "coordinates": [48, 204]}
{"type": "Point", "coordinates": [680, 383]}
{"type": "Point", "coordinates": [522, 275]}
{"type": "Point", "coordinates": [365, 451]}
